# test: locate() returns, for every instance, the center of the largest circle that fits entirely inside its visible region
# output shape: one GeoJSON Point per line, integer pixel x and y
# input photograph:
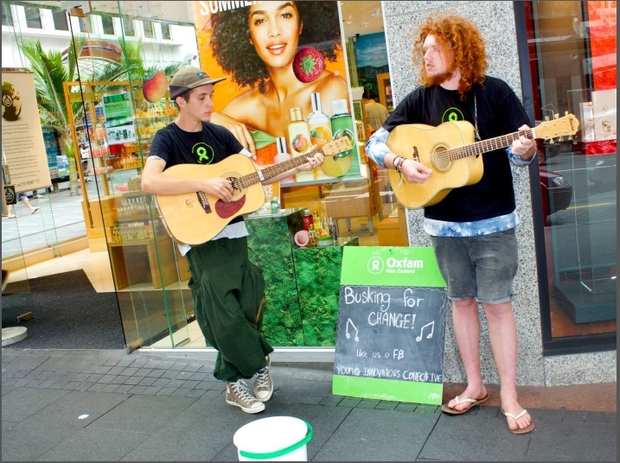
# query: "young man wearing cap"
{"type": "Point", "coordinates": [228, 290]}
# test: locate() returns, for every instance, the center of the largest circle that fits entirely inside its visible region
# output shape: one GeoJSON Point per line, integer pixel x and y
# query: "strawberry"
{"type": "Point", "coordinates": [308, 64]}
{"type": "Point", "coordinates": [154, 87]}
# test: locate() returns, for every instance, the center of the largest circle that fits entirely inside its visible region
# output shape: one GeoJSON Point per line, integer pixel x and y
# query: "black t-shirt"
{"type": "Point", "coordinates": [176, 146]}
{"type": "Point", "coordinates": [209, 146]}
{"type": "Point", "coordinates": [499, 112]}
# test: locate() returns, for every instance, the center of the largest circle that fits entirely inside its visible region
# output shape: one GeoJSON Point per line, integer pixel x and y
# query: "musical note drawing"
{"type": "Point", "coordinates": [357, 338]}
{"type": "Point", "coordinates": [429, 335]}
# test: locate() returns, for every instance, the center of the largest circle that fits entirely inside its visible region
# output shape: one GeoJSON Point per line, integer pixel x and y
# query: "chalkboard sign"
{"type": "Point", "coordinates": [391, 325]}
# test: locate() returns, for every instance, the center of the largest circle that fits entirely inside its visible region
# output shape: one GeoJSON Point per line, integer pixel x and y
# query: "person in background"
{"type": "Point", "coordinates": [375, 112]}
{"type": "Point", "coordinates": [23, 198]}
{"type": "Point", "coordinates": [257, 46]}
{"type": "Point", "coordinates": [228, 290]}
{"type": "Point", "coordinates": [473, 228]}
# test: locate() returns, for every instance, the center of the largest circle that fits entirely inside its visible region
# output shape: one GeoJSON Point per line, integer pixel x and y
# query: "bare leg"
{"type": "Point", "coordinates": [503, 337]}
{"type": "Point", "coordinates": [28, 205]}
{"type": "Point", "coordinates": [467, 331]}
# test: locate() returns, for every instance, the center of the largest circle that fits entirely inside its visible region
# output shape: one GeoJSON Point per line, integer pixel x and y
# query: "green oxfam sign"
{"type": "Point", "coordinates": [390, 266]}
{"type": "Point", "coordinates": [391, 325]}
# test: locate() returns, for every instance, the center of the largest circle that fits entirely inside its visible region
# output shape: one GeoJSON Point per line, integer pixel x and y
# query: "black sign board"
{"type": "Point", "coordinates": [390, 339]}
{"type": "Point", "coordinates": [391, 332]}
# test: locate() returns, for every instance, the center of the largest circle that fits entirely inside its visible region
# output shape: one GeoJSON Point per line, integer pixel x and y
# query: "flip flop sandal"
{"type": "Point", "coordinates": [452, 411]}
{"type": "Point", "coordinates": [525, 430]}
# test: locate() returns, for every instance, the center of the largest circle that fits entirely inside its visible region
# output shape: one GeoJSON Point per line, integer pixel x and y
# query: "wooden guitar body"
{"type": "Point", "coordinates": [429, 146]}
{"type": "Point", "coordinates": [194, 218]}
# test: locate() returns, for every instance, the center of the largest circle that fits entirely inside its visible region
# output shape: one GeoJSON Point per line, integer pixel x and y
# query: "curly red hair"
{"type": "Point", "coordinates": [465, 46]}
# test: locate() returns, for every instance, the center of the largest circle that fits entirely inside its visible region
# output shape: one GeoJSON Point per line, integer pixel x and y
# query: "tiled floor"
{"type": "Point", "coordinates": [591, 397]}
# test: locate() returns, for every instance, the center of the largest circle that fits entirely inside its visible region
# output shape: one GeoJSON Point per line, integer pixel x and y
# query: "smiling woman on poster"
{"type": "Point", "coordinates": [262, 57]}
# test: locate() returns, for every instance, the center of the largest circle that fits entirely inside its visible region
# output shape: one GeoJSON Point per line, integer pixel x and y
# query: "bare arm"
{"type": "Point", "coordinates": [155, 181]}
{"type": "Point", "coordinates": [238, 129]}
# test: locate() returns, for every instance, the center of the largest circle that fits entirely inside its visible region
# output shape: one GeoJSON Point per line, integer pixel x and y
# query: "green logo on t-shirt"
{"type": "Point", "coordinates": [452, 114]}
{"type": "Point", "coordinates": [203, 152]}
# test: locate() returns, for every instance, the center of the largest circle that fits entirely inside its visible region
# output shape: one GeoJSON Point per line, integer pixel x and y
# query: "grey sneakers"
{"type": "Point", "coordinates": [263, 385]}
{"type": "Point", "coordinates": [238, 395]}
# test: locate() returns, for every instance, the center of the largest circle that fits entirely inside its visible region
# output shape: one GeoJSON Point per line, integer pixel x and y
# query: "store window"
{"type": "Point", "coordinates": [128, 27]}
{"type": "Point", "coordinates": [108, 24]}
{"type": "Point", "coordinates": [148, 29]}
{"type": "Point", "coordinates": [165, 31]}
{"type": "Point", "coordinates": [33, 17]}
{"type": "Point", "coordinates": [572, 58]}
{"type": "Point", "coordinates": [60, 20]}
{"type": "Point", "coordinates": [7, 15]}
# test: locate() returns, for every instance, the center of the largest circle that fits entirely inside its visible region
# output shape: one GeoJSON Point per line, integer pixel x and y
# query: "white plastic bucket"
{"type": "Point", "coordinates": [275, 438]}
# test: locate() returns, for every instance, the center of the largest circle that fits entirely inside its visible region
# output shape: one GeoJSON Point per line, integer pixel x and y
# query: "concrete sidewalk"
{"type": "Point", "coordinates": [108, 405]}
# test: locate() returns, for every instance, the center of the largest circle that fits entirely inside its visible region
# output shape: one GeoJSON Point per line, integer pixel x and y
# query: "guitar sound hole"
{"type": "Point", "coordinates": [237, 190]}
{"type": "Point", "coordinates": [441, 159]}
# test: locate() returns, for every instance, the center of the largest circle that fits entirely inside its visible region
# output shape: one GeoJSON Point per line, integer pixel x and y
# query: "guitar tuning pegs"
{"type": "Point", "coordinates": [547, 118]}
{"type": "Point", "coordinates": [551, 141]}
{"type": "Point", "coordinates": [556, 116]}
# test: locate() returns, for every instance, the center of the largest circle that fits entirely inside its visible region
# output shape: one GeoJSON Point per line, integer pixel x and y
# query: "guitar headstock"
{"type": "Point", "coordinates": [337, 146]}
{"type": "Point", "coordinates": [558, 127]}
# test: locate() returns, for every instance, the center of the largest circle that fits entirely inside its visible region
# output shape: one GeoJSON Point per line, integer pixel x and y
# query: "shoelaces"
{"type": "Point", "coordinates": [262, 376]}
{"type": "Point", "coordinates": [240, 388]}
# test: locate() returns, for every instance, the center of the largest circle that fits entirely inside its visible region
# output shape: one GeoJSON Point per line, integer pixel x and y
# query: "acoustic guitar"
{"type": "Point", "coordinates": [195, 218]}
{"type": "Point", "coordinates": [453, 155]}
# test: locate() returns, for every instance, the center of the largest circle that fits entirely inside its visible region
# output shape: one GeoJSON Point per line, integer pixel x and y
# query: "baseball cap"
{"type": "Point", "coordinates": [190, 77]}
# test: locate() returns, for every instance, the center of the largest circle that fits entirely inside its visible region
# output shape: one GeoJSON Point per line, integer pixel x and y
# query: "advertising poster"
{"type": "Point", "coordinates": [22, 137]}
{"type": "Point", "coordinates": [286, 80]}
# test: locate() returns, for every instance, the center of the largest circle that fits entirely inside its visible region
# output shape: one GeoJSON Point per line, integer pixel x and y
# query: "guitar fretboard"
{"type": "Point", "coordinates": [485, 146]}
{"type": "Point", "coordinates": [275, 170]}
{"type": "Point", "coordinates": [335, 146]}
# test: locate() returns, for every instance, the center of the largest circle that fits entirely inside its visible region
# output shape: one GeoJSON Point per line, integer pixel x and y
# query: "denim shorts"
{"type": "Point", "coordinates": [480, 267]}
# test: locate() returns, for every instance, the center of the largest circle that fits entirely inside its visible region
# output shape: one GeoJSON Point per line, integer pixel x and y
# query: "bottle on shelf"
{"type": "Point", "coordinates": [283, 156]}
{"type": "Point", "coordinates": [275, 205]}
{"type": "Point", "coordinates": [299, 141]}
{"type": "Point", "coordinates": [333, 230]}
{"type": "Point", "coordinates": [313, 241]}
{"type": "Point", "coordinates": [308, 220]}
{"type": "Point", "coordinates": [320, 128]}
{"type": "Point", "coordinates": [343, 126]}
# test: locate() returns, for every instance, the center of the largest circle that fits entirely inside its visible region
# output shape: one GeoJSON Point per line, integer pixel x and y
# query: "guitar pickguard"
{"type": "Point", "coordinates": [226, 210]}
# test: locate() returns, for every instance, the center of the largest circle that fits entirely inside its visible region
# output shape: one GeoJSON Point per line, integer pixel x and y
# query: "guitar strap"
{"type": "Point", "coordinates": [476, 118]}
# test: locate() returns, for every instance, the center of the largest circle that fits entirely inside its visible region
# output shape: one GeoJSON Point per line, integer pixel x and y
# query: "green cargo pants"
{"type": "Point", "coordinates": [228, 292]}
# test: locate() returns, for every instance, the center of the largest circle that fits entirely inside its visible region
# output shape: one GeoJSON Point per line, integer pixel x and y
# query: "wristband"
{"type": "Point", "coordinates": [398, 163]}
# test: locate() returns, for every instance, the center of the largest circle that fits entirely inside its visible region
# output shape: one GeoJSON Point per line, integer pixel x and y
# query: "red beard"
{"type": "Point", "coordinates": [438, 79]}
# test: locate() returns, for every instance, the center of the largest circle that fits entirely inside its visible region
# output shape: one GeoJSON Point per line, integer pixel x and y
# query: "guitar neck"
{"type": "Point", "coordinates": [275, 170]}
{"type": "Point", "coordinates": [485, 146]}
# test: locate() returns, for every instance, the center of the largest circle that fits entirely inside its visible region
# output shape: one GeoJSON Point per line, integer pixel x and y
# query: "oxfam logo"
{"type": "Point", "coordinates": [452, 115]}
{"type": "Point", "coordinates": [375, 265]}
{"type": "Point", "coordinates": [203, 152]}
